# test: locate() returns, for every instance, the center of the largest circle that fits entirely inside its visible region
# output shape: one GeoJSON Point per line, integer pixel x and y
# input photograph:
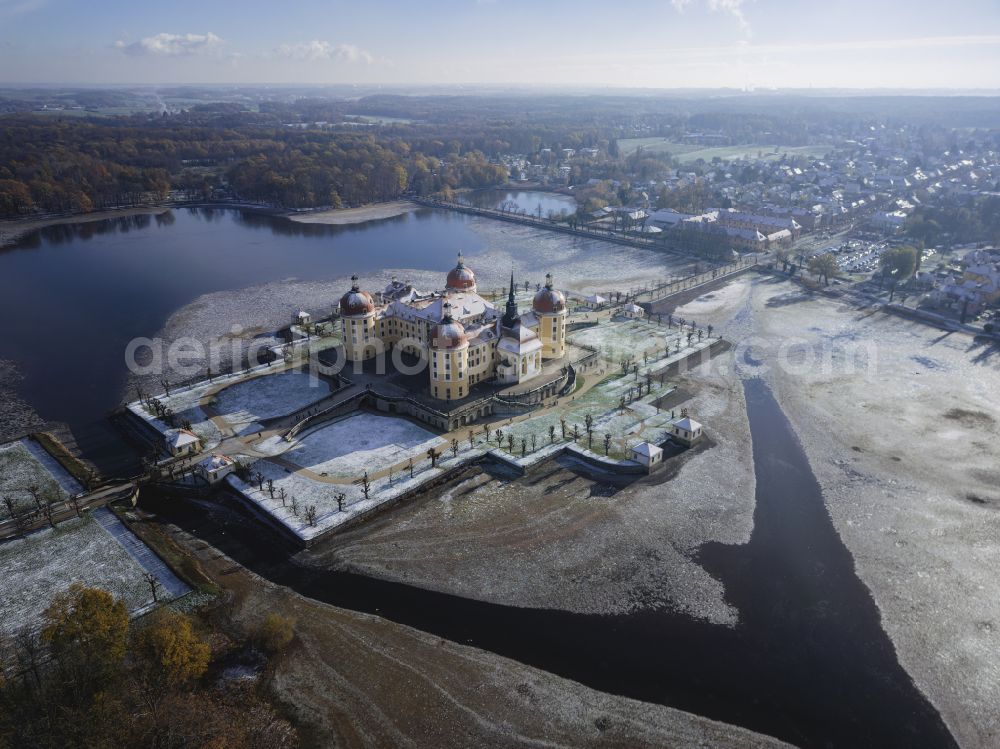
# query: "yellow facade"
{"type": "Point", "coordinates": [450, 373]}
{"type": "Point", "coordinates": [361, 339]}
{"type": "Point", "coordinates": [551, 331]}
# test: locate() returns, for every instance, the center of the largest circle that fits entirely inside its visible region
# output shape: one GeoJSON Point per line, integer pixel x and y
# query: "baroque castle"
{"type": "Point", "coordinates": [461, 335]}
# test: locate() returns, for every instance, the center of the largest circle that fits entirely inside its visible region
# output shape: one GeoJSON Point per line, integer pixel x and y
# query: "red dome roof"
{"type": "Point", "coordinates": [547, 299]}
{"type": "Point", "coordinates": [449, 333]}
{"type": "Point", "coordinates": [356, 302]}
{"type": "Point", "coordinates": [461, 278]}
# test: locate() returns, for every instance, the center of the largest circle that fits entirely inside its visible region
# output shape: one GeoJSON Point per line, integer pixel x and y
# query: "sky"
{"type": "Point", "coordinates": [662, 44]}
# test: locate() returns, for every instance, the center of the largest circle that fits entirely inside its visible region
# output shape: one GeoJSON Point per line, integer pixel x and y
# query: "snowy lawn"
{"type": "Point", "coordinates": [301, 492]}
{"type": "Point", "coordinates": [638, 422]}
{"type": "Point", "coordinates": [47, 562]}
{"type": "Point", "coordinates": [185, 406]}
{"type": "Point", "coordinates": [21, 469]}
{"type": "Point", "coordinates": [620, 339]}
{"type": "Point", "coordinates": [266, 397]}
{"type": "Point", "coordinates": [362, 442]}
{"type": "Point", "coordinates": [184, 403]}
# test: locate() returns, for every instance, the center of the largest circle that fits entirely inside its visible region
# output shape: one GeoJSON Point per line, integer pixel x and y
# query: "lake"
{"type": "Point", "coordinates": [528, 201]}
{"type": "Point", "coordinates": [74, 295]}
{"type": "Point", "coordinates": [82, 292]}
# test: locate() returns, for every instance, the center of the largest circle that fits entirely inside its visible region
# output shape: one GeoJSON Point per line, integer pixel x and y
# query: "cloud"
{"type": "Point", "coordinates": [320, 50]}
{"type": "Point", "coordinates": [732, 8]}
{"type": "Point", "coordinates": [172, 45]}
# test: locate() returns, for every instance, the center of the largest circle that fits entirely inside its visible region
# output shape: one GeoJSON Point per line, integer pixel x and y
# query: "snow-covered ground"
{"type": "Point", "coordinates": [322, 495]}
{"type": "Point", "coordinates": [47, 562]}
{"type": "Point", "coordinates": [362, 442]}
{"type": "Point", "coordinates": [900, 422]}
{"type": "Point", "coordinates": [184, 403]}
{"type": "Point", "coordinates": [713, 305]}
{"type": "Point", "coordinates": [250, 401]}
{"type": "Point", "coordinates": [21, 467]}
{"type": "Point", "coordinates": [260, 392]}
{"type": "Point", "coordinates": [555, 539]}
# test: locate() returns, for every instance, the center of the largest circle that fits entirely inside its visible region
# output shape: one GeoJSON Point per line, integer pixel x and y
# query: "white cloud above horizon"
{"type": "Point", "coordinates": [732, 8]}
{"type": "Point", "coordinates": [172, 45]}
{"type": "Point", "coordinates": [317, 50]}
{"type": "Point", "coordinates": [663, 44]}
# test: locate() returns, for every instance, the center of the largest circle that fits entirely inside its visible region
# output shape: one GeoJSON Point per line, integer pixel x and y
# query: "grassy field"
{"type": "Point", "coordinates": [688, 154]}
{"type": "Point", "coordinates": [47, 562]}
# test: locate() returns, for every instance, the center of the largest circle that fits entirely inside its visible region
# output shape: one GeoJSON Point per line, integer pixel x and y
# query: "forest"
{"type": "Point", "coordinates": [80, 165]}
{"type": "Point", "coordinates": [87, 676]}
{"type": "Point", "coordinates": [969, 220]}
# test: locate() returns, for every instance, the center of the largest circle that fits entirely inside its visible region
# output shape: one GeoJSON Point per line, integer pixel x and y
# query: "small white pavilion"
{"type": "Point", "coordinates": [686, 430]}
{"type": "Point", "coordinates": [633, 311]}
{"type": "Point", "coordinates": [646, 454]}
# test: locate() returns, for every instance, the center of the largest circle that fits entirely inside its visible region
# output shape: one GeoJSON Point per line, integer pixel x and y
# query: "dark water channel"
{"type": "Point", "coordinates": [809, 662]}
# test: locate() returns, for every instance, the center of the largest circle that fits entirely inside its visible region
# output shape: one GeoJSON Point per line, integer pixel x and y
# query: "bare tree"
{"type": "Point", "coordinates": [366, 485]}
{"type": "Point", "coordinates": [48, 512]}
{"type": "Point", "coordinates": [409, 465]}
{"type": "Point", "coordinates": [552, 433]}
{"type": "Point", "coordinates": [454, 448]}
{"type": "Point", "coordinates": [36, 495]}
{"type": "Point", "coordinates": [433, 455]}
{"type": "Point", "coordinates": [472, 439]}
{"type": "Point", "coordinates": [607, 443]}
{"type": "Point", "coordinates": [311, 514]}
{"type": "Point", "coordinates": [270, 488]}
{"type": "Point", "coordinates": [153, 584]}
{"type": "Point", "coordinates": [588, 422]}
{"type": "Point", "coordinates": [340, 501]}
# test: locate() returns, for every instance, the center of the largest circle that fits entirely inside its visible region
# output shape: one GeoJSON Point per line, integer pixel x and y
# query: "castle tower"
{"type": "Point", "coordinates": [461, 278]}
{"type": "Point", "coordinates": [357, 317]}
{"type": "Point", "coordinates": [549, 307]}
{"type": "Point", "coordinates": [449, 371]}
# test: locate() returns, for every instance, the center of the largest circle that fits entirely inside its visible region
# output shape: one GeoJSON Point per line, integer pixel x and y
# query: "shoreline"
{"type": "Point", "coordinates": [14, 230]}
{"type": "Point", "coordinates": [347, 216]}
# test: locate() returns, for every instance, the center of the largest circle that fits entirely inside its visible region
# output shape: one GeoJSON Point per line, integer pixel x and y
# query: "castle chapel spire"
{"type": "Point", "coordinates": [510, 315]}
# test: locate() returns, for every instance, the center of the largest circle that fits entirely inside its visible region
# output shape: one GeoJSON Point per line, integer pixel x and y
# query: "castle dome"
{"type": "Point", "coordinates": [548, 300]}
{"type": "Point", "coordinates": [461, 278]}
{"type": "Point", "coordinates": [356, 302]}
{"type": "Point", "coordinates": [449, 333]}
